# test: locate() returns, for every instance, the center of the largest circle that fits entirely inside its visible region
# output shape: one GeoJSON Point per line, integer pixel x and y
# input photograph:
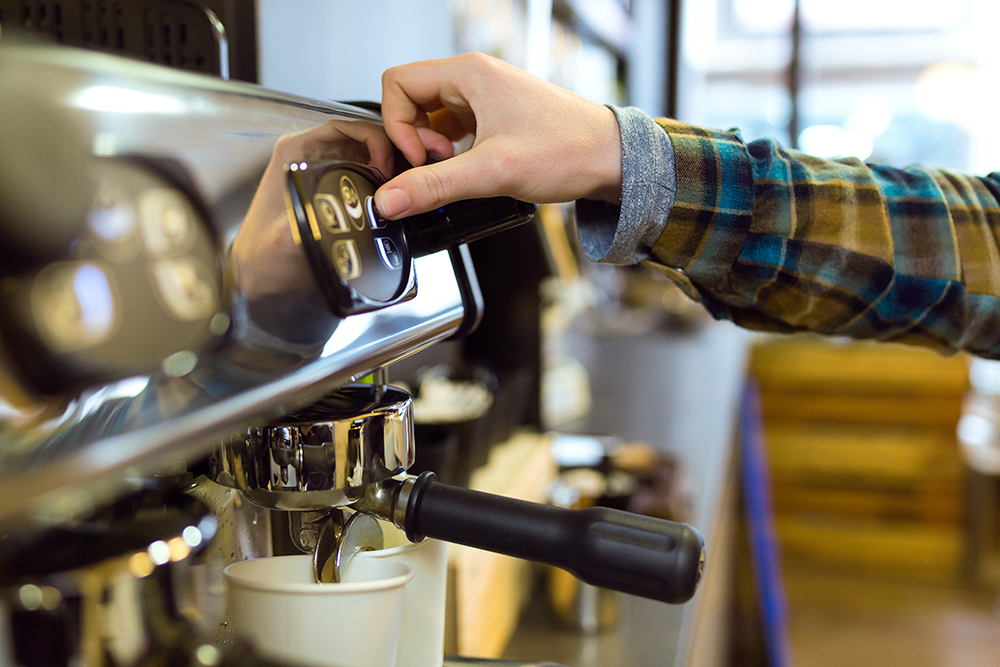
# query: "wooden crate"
{"type": "Point", "coordinates": [863, 456]}
{"type": "Point", "coordinates": [880, 456]}
{"type": "Point", "coordinates": [906, 549]}
{"type": "Point", "coordinates": [834, 367]}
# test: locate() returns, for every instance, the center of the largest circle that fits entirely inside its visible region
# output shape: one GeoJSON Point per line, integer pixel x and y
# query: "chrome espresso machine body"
{"type": "Point", "coordinates": [192, 275]}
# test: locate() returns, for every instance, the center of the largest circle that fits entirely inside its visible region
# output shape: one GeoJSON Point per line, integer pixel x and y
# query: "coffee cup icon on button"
{"type": "Point", "coordinates": [352, 201]}
{"type": "Point", "coordinates": [330, 212]}
{"type": "Point", "coordinates": [346, 259]}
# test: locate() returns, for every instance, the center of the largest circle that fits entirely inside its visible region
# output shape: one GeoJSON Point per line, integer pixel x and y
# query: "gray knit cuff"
{"type": "Point", "coordinates": [625, 235]}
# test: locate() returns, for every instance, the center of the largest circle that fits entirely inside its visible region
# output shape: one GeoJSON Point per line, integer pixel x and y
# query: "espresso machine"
{"type": "Point", "coordinates": [193, 280]}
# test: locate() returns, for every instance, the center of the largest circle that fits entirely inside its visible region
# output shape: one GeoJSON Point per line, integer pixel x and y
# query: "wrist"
{"type": "Point", "coordinates": [629, 232]}
{"type": "Point", "coordinates": [607, 159]}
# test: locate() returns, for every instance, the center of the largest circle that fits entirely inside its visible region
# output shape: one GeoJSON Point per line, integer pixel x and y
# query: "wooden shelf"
{"type": "Point", "coordinates": [487, 591]}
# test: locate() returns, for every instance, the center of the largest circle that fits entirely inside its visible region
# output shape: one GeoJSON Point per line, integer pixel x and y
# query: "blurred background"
{"type": "Point", "coordinates": [848, 492]}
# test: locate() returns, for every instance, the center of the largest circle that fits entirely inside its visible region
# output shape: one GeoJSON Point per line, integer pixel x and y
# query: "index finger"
{"type": "Point", "coordinates": [401, 115]}
{"type": "Point", "coordinates": [411, 92]}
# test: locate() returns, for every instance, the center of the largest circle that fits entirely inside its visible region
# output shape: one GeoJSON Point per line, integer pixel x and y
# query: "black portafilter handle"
{"type": "Point", "coordinates": [652, 558]}
{"type": "Point", "coordinates": [463, 222]}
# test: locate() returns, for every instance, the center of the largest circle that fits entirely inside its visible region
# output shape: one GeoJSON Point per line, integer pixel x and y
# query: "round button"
{"type": "Point", "coordinates": [346, 259]}
{"type": "Point", "coordinates": [330, 213]}
{"type": "Point", "coordinates": [75, 305]}
{"type": "Point", "coordinates": [185, 284]}
{"type": "Point", "coordinates": [352, 201]}
{"type": "Point", "coordinates": [167, 225]}
{"type": "Point", "coordinates": [389, 253]}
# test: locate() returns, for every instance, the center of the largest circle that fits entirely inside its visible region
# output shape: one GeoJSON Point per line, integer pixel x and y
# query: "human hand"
{"type": "Point", "coordinates": [534, 141]}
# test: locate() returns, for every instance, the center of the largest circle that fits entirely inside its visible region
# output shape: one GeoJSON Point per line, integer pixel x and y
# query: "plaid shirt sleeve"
{"type": "Point", "coordinates": [778, 241]}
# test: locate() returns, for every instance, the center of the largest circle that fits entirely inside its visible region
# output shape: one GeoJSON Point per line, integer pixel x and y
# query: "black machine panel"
{"type": "Point", "coordinates": [166, 32]}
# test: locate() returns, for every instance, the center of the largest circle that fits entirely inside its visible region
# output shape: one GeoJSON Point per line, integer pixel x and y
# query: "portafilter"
{"type": "Point", "coordinates": [351, 450]}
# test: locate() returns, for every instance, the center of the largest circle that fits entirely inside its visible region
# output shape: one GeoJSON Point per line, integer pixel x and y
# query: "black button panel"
{"type": "Point", "coordinates": [360, 260]}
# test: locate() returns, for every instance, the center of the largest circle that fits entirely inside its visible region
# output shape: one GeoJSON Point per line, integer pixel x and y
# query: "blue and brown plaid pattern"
{"type": "Point", "coordinates": [779, 241]}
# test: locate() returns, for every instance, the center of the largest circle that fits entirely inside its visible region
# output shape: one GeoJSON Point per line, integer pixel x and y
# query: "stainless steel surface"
{"type": "Point", "coordinates": [244, 528]}
{"type": "Point", "coordinates": [387, 500]}
{"type": "Point", "coordinates": [340, 541]}
{"type": "Point", "coordinates": [304, 527]}
{"type": "Point", "coordinates": [324, 552]}
{"type": "Point", "coordinates": [324, 456]}
{"type": "Point", "coordinates": [143, 593]}
{"type": "Point", "coordinates": [244, 532]}
{"type": "Point", "coordinates": [62, 454]}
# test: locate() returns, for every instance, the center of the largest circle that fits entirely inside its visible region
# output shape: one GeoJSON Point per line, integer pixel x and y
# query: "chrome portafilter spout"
{"type": "Point", "coordinates": [340, 539]}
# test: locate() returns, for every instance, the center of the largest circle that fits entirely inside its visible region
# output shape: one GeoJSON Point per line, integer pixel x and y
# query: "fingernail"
{"type": "Point", "coordinates": [392, 203]}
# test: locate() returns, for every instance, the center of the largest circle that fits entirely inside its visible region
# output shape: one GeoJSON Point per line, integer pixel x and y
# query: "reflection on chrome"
{"type": "Point", "coordinates": [113, 99]}
{"type": "Point", "coordinates": [234, 331]}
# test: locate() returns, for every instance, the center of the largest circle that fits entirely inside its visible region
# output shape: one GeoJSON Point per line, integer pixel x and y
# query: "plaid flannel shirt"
{"type": "Point", "coordinates": [775, 240]}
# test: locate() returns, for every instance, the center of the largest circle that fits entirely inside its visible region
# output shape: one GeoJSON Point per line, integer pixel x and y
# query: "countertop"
{"type": "Point", "coordinates": [679, 392]}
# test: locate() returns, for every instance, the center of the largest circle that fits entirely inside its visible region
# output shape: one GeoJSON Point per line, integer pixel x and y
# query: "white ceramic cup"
{"type": "Point", "coordinates": [355, 623]}
{"type": "Point", "coordinates": [421, 635]}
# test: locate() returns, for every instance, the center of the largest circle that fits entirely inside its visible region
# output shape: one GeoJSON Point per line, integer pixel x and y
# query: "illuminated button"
{"type": "Point", "coordinates": [352, 201]}
{"type": "Point", "coordinates": [346, 260]}
{"type": "Point", "coordinates": [111, 217]}
{"type": "Point", "coordinates": [167, 226]}
{"type": "Point", "coordinates": [390, 254]}
{"type": "Point", "coordinates": [112, 222]}
{"type": "Point", "coordinates": [112, 225]}
{"type": "Point", "coordinates": [186, 285]}
{"type": "Point", "coordinates": [74, 306]}
{"type": "Point", "coordinates": [374, 219]}
{"type": "Point", "coordinates": [330, 213]}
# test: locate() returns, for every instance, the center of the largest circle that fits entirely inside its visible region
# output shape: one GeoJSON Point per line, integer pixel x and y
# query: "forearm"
{"type": "Point", "coordinates": [778, 241]}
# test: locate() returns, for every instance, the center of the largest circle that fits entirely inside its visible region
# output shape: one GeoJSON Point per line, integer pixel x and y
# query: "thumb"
{"type": "Point", "coordinates": [426, 188]}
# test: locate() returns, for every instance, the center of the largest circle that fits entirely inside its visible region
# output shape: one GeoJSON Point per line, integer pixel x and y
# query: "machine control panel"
{"type": "Point", "coordinates": [138, 289]}
{"type": "Point", "coordinates": [360, 260]}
